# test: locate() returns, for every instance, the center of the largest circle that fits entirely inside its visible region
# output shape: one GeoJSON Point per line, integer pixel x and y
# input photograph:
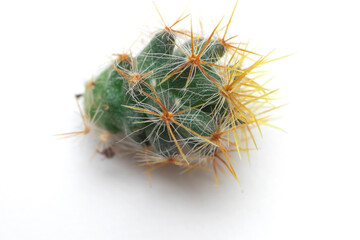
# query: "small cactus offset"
{"type": "Point", "coordinates": [185, 99]}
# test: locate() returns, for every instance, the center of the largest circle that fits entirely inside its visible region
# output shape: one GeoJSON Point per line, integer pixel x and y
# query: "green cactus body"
{"type": "Point", "coordinates": [110, 101]}
{"type": "Point", "coordinates": [180, 101]}
{"type": "Point", "coordinates": [104, 99]}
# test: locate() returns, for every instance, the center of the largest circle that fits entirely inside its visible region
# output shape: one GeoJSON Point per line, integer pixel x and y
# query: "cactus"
{"type": "Point", "coordinates": [185, 99]}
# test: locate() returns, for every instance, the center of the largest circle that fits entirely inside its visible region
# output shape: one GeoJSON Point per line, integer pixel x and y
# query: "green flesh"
{"type": "Point", "coordinates": [110, 102]}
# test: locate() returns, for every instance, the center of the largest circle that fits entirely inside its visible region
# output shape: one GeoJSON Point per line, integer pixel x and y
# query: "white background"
{"type": "Point", "coordinates": [302, 184]}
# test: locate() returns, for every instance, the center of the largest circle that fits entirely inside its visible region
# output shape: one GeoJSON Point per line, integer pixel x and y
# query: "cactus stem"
{"type": "Point", "coordinates": [197, 119]}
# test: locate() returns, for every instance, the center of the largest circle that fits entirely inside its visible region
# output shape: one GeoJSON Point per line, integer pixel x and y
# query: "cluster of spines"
{"type": "Point", "coordinates": [185, 99]}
